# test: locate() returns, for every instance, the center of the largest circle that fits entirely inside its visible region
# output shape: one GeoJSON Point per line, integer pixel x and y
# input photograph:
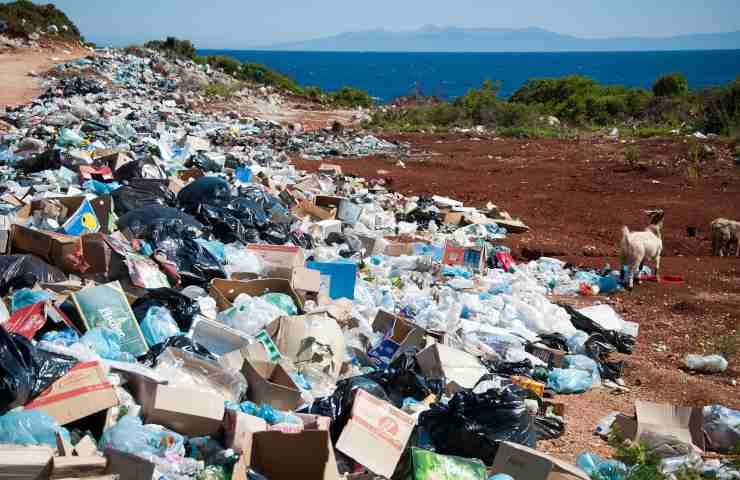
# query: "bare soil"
{"type": "Point", "coordinates": [576, 195]}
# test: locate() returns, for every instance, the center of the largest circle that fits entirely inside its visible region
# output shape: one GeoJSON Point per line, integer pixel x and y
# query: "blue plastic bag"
{"type": "Point", "coordinates": [282, 301]}
{"type": "Point", "coordinates": [158, 325]}
{"type": "Point", "coordinates": [25, 297]}
{"type": "Point", "coordinates": [101, 188]}
{"type": "Point", "coordinates": [65, 337]}
{"type": "Point", "coordinates": [30, 428]}
{"type": "Point", "coordinates": [107, 344]}
{"type": "Point", "coordinates": [569, 380]}
{"type": "Point", "coordinates": [131, 436]}
{"type": "Point", "coordinates": [599, 469]}
{"type": "Point", "coordinates": [582, 362]}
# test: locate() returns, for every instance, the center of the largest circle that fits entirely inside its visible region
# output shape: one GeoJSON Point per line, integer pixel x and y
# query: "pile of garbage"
{"type": "Point", "coordinates": [180, 302]}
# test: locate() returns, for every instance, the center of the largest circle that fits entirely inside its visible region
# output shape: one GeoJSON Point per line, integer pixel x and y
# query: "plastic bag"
{"type": "Point", "coordinates": [282, 301]}
{"type": "Point", "coordinates": [182, 308]}
{"type": "Point", "coordinates": [64, 338]}
{"type": "Point", "coordinates": [599, 469]}
{"type": "Point", "coordinates": [549, 428]}
{"type": "Point", "coordinates": [142, 193]}
{"type": "Point", "coordinates": [402, 380]}
{"type": "Point", "coordinates": [471, 424]}
{"type": "Point", "coordinates": [24, 271]}
{"type": "Point", "coordinates": [250, 314]}
{"type": "Point", "coordinates": [180, 342]}
{"type": "Point", "coordinates": [107, 344]}
{"type": "Point", "coordinates": [158, 326]}
{"type": "Point", "coordinates": [203, 190]}
{"type": "Point", "coordinates": [706, 364]}
{"type": "Point", "coordinates": [30, 428]}
{"type": "Point", "coordinates": [131, 436]}
{"type": "Point", "coordinates": [569, 380]}
{"type": "Point", "coordinates": [722, 427]}
{"type": "Point", "coordinates": [582, 362]}
{"type": "Point", "coordinates": [338, 406]}
{"type": "Point", "coordinates": [26, 297]}
{"type": "Point", "coordinates": [624, 343]}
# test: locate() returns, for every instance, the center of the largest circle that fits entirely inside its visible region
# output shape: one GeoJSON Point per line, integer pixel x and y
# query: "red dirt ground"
{"type": "Point", "coordinates": [578, 193]}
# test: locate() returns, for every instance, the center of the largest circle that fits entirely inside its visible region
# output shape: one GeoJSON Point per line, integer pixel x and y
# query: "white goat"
{"type": "Point", "coordinates": [725, 234]}
{"type": "Point", "coordinates": [637, 247]}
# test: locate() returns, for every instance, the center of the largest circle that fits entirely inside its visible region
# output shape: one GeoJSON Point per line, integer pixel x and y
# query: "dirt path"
{"type": "Point", "coordinates": [16, 86]}
{"type": "Point", "coordinates": [576, 195]}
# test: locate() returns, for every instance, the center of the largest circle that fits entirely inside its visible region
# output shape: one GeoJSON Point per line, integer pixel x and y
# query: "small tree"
{"type": "Point", "coordinates": [671, 85]}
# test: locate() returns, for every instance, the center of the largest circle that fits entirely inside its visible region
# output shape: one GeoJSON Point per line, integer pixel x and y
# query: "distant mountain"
{"type": "Point", "coordinates": [439, 39]}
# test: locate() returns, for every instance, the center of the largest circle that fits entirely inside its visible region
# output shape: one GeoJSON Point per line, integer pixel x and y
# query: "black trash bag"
{"type": "Point", "coordinates": [624, 343]}
{"type": "Point", "coordinates": [182, 308]}
{"type": "Point", "coordinates": [471, 424]}
{"type": "Point", "coordinates": [556, 341]}
{"type": "Point", "coordinates": [24, 271]}
{"type": "Point", "coordinates": [548, 428]}
{"type": "Point", "coordinates": [48, 160]}
{"type": "Point", "coordinates": [402, 379]}
{"type": "Point", "coordinates": [25, 372]}
{"type": "Point", "coordinates": [178, 341]}
{"type": "Point", "coordinates": [204, 163]}
{"type": "Point", "coordinates": [338, 406]}
{"type": "Point", "coordinates": [141, 219]}
{"type": "Point", "coordinates": [142, 193]}
{"type": "Point", "coordinates": [510, 368]}
{"type": "Point", "coordinates": [139, 169]}
{"type": "Point", "coordinates": [205, 190]}
{"type": "Point", "coordinates": [302, 239]}
{"type": "Point", "coordinates": [276, 234]}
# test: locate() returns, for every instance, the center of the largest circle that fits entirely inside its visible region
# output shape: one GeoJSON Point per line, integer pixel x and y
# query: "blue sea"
{"type": "Point", "coordinates": [448, 75]}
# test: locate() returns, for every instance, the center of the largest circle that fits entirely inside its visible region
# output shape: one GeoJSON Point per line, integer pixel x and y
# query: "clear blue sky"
{"type": "Point", "coordinates": [246, 23]}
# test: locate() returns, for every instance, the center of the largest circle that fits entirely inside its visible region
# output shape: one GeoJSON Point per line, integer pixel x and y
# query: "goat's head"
{"type": "Point", "coordinates": [655, 216]}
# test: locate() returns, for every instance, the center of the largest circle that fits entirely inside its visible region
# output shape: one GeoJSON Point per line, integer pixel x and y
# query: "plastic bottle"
{"type": "Point", "coordinates": [706, 364]}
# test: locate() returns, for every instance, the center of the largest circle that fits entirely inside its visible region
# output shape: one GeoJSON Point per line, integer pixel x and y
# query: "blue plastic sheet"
{"type": "Point", "coordinates": [30, 428]}
{"type": "Point", "coordinates": [107, 344]}
{"type": "Point", "coordinates": [25, 297]}
{"type": "Point", "coordinates": [569, 380]}
{"type": "Point", "coordinates": [158, 325]}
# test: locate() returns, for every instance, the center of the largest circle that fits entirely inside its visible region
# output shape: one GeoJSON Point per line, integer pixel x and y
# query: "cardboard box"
{"type": "Point", "coordinates": [77, 467]}
{"type": "Point", "coordinates": [376, 434]}
{"type": "Point", "coordinates": [460, 369]}
{"type": "Point", "coordinates": [322, 229]}
{"type": "Point", "coordinates": [470, 257]}
{"type": "Point", "coordinates": [684, 423]}
{"type": "Point", "coordinates": [25, 462]}
{"type": "Point", "coordinates": [190, 412]}
{"type": "Point", "coordinates": [107, 306]}
{"type": "Point", "coordinates": [278, 455]}
{"type": "Point", "coordinates": [553, 358]}
{"type": "Point", "coordinates": [64, 251]}
{"type": "Point", "coordinates": [349, 212]}
{"type": "Point", "coordinates": [128, 466]}
{"type": "Point", "coordinates": [315, 339]}
{"type": "Point", "coordinates": [523, 462]}
{"type": "Point", "coordinates": [269, 383]}
{"type": "Point", "coordinates": [330, 169]}
{"type": "Point", "coordinates": [102, 208]}
{"type": "Point", "coordinates": [400, 337]}
{"type": "Point", "coordinates": [426, 465]}
{"type": "Point", "coordinates": [226, 291]}
{"type": "Point", "coordinates": [279, 260]}
{"type": "Point", "coordinates": [83, 391]}
{"type": "Point", "coordinates": [305, 208]}
{"type": "Point", "coordinates": [4, 234]}
{"type": "Point", "coordinates": [342, 277]}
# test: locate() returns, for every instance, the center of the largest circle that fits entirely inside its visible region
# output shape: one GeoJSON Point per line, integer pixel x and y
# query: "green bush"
{"type": "Point", "coordinates": [24, 17]}
{"type": "Point", "coordinates": [720, 109]}
{"type": "Point", "coordinates": [228, 65]}
{"type": "Point", "coordinates": [261, 74]}
{"type": "Point", "coordinates": [173, 47]}
{"type": "Point", "coordinates": [671, 85]}
{"type": "Point", "coordinates": [351, 97]}
{"type": "Point", "coordinates": [217, 89]}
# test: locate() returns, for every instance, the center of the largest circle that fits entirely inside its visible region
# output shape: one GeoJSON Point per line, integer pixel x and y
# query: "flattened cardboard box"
{"type": "Point", "coordinates": [684, 423]}
{"type": "Point", "coordinates": [459, 368]}
{"type": "Point", "coordinates": [376, 434]}
{"type": "Point", "coordinates": [190, 412]}
{"type": "Point", "coordinates": [523, 462]}
{"type": "Point", "coordinates": [83, 391]}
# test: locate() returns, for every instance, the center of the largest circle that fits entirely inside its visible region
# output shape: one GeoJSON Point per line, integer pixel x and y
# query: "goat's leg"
{"type": "Point", "coordinates": [634, 274]}
{"type": "Point", "coordinates": [657, 266]}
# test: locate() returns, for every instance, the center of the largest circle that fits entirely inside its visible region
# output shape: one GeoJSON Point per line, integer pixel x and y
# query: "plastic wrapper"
{"type": "Point", "coordinates": [722, 427]}
{"type": "Point", "coordinates": [250, 314]}
{"type": "Point", "coordinates": [26, 371]}
{"type": "Point", "coordinates": [241, 260]}
{"type": "Point", "coordinates": [182, 308]}
{"type": "Point", "coordinates": [282, 301]}
{"type": "Point", "coordinates": [569, 380]}
{"type": "Point", "coordinates": [184, 369]}
{"type": "Point", "coordinates": [107, 344]}
{"type": "Point", "coordinates": [26, 297]}
{"type": "Point", "coordinates": [338, 406]}
{"type": "Point", "coordinates": [158, 326]}
{"type": "Point", "coordinates": [19, 271]}
{"type": "Point", "coordinates": [30, 428]}
{"type": "Point", "coordinates": [131, 436]}
{"type": "Point", "coordinates": [471, 424]}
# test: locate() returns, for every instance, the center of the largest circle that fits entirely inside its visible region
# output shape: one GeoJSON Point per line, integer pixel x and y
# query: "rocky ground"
{"type": "Point", "coordinates": [576, 195]}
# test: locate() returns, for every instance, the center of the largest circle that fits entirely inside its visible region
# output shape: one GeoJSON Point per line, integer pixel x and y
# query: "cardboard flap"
{"type": "Point", "coordinates": [226, 291]}
{"type": "Point", "coordinates": [523, 462]}
{"type": "Point", "coordinates": [281, 456]}
{"type": "Point", "coordinates": [683, 423]}
{"type": "Point", "coordinates": [460, 368]}
{"type": "Point", "coordinates": [298, 337]}
{"type": "Point", "coordinates": [270, 383]}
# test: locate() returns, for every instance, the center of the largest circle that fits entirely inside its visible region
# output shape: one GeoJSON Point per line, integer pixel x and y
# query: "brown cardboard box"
{"type": "Point", "coordinates": [548, 355]}
{"type": "Point", "coordinates": [405, 334]}
{"type": "Point", "coordinates": [239, 429]}
{"type": "Point", "coordinates": [25, 462]}
{"type": "Point", "coordinates": [523, 462]}
{"type": "Point", "coordinates": [83, 391]}
{"type": "Point", "coordinates": [270, 383]}
{"type": "Point", "coordinates": [128, 466]}
{"type": "Point", "coordinates": [279, 260]}
{"type": "Point", "coordinates": [103, 207]}
{"type": "Point", "coordinates": [376, 434]}
{"type": "Point", "coordinates": [64, 251]}
{"type": "Point", "coordinates": [305, 207]}
{"type": "Point", "coordinates": [226, 291]}
{"type": "Point", "coordinates": [684, 423]}
{"type": "Point", "coordinates": [190, 412]}
{"type": "Point", "coordinates": [4, 234]}
{"type": "Point", "coordinates": [459, 368]}
{"type": "Point", "coordinates": [296, 337]}
{"type": "Point", "coordinates": [77, 467]}
{"type": "Point", "coordinates": [330, 169]}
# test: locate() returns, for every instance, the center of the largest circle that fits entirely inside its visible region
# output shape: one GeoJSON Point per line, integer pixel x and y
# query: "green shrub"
{"type": "Point", "coordinates": [720, 109]}
{"type": "Point", "coordinates": [228, 65]}
{"type": "Point", "coordinates": [261, 74]}
{"type": "Point", "coordinates": [314, 93]}
{"type": "Point", "coordinates": [671, 85]}
{"type": "Point", "coordinates": [173, 47]}
{"type": "Point", "coordinates": [351, 97]}
{"type": "Point", "coordinates": [24, 17]}
{"type": "Point", "coordinates": [218, 89]}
